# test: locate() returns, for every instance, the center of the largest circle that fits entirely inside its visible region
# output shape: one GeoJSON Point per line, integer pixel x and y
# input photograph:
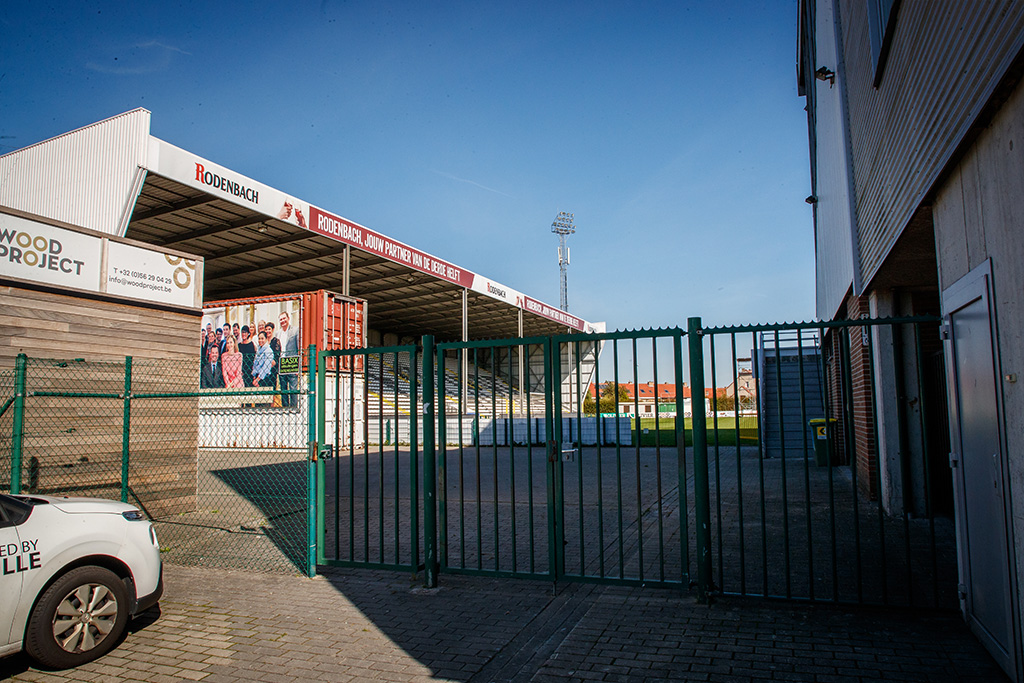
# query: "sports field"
{"type": "Point", "coordinates": [663, 431]}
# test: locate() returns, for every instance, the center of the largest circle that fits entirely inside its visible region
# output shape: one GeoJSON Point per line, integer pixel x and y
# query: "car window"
{"type": "Point", "coordinates": [13, 511]}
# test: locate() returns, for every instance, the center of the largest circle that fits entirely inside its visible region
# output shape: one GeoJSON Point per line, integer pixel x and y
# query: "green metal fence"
{"type": "Point", "coordinates": [530, 481]}
{"type": "Point", "coordinates": [222, 473]}
{"type": "Point", "coordinates": [743, 461]}
{"type": "Point", "coordinates": [825, 506]}
{"type": "Point", "coordinates": [494, 470]}
{"type": "Point", "coordinates": [368, 477]}
{"type": "Point", "coordinates": [621, 497]}
{"type": "Point", "coordinates": [766, 478]}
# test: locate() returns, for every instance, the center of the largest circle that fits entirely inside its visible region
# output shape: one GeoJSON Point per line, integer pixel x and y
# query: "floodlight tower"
{"type": "Point", "coordinates": [563, 227]}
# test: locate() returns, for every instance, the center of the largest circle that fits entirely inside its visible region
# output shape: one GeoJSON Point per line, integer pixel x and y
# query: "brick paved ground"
{"type": "Point", "coordinates": [229, 626]}
{"type": "Point", "coordinates": [779, 526]}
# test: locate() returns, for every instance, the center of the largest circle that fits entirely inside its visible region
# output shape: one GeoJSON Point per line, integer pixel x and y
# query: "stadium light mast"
{"type": "Point", "coordinates": [563, 227]}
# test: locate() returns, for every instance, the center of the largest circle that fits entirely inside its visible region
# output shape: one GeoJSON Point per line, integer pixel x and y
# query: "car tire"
{"type": "Point", "coordinates": [80, 617]}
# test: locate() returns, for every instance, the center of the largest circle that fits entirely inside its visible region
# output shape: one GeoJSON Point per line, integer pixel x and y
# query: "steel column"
{"type": "Point", "coordinates": [312, 462]}
{"type": "Point", "coordinates": [701, 482]}
{"type": "Point", "coordinates": [126, 423]}
{"type": "Point", "coordinates": [429, 465]}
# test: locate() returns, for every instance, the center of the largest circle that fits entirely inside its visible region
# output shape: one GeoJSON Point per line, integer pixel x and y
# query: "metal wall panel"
{"type": "Point", "coordinates": [84, 177]}
{"type": "Point", "coordinates": [834, 235]}
{"type": "Point", "coordinates": [946, 59]}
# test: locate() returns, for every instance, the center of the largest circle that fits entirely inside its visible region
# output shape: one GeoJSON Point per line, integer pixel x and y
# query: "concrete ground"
{"type": "Point", "coordinates": [217, 625]}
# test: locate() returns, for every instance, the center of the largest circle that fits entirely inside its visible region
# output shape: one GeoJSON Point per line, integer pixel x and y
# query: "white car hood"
{"type": "Point", "coordinates": [85, 505]}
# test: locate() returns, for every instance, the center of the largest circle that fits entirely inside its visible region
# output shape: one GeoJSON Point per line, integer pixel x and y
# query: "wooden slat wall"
{"type": "Point", "coordinates": [73, 445]}
{"type": "Point", "coordinates": [47, 325]}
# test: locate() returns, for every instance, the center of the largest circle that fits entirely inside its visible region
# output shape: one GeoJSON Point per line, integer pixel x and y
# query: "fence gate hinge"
{"type": "Point", "coordinates": [944, 331]}
{"type": "Point", "coordinates": [553, 447]}
{"type": "Point", "coordinates": [954, 460]}
{"type": "Point", "coordinates": [961, 590]}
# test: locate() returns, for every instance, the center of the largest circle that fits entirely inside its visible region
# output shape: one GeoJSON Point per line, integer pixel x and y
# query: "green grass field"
{"type": "Point", "coordinates": [663, 431]}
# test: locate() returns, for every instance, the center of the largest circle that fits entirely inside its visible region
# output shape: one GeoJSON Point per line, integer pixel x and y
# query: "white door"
{"type": "Point", "coordinates": [979, 467]}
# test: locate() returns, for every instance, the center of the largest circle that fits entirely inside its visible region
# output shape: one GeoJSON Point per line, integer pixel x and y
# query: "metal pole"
{"type": "Point", "coordinates": [464, 386]}
{"type": "Point", "coordinates": [321, 437]}
{"type": "Point", "coordinates": [429, 466]}
{"type": "Point", "coordinates": [126, 426]}
{"type": "Point", "coordinates": [346, 271]}
{"type": "Point", "coordinates": [442, 474]}
{"type": "Point", "coordinates": [552, 433]}
{"type": "Point", "coordinates": [312, 463]}
{"type": "Point", "coordinates": [701, 484]}
{"type": "Point", "coordinates": [523, 350]}
{"type": "Point", "coordinates": [680, 428]}
{"type": "Point", "coordinates": [18, 433]}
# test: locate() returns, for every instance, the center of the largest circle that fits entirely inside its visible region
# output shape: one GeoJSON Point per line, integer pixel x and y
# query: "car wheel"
{"type": "Point", "coordinates": [80, 617]}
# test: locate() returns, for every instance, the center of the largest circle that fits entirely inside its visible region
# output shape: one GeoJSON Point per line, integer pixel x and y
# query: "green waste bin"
{"type": "Point", "coordinates": [820, 433]}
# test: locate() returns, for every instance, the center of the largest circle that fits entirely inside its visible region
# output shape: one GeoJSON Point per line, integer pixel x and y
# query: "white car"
{"type": "Point", "coordinates": [73, 571]}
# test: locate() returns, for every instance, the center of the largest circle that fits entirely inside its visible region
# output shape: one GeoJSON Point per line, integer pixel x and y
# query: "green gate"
{"type": "Point", "coordinates": [494, 458]}
{"type": "Point", "coordinates": [622, 497]}
{"type": "Point", "coordinates": [522, 474]}
{"type": "Point", "coordinates": [369, 457]}
{"type": "Point", "coordinates": [738, 461]}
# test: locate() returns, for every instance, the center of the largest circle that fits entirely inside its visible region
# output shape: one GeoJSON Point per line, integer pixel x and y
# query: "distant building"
{"type": "Point", "coordinates": [745, 387]}
{"type": "Point", "coordinates": [646, 401]}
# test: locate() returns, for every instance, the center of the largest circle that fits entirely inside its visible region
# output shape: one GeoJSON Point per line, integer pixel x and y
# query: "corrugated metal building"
{"type": "Point", "coordinates": [790, 394]}
{"type": "Point", "coordinates": [916, 126]}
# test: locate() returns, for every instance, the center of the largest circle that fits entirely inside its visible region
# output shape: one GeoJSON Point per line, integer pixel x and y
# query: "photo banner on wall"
{"type": "Point", "coordinates": [258, 345]}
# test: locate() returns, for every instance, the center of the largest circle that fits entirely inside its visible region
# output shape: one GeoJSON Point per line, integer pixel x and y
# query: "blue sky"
{"type": "Point", "coordinates": [673, 131]}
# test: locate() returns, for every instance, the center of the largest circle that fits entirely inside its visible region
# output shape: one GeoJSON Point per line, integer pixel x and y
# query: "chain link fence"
{"type": "Point", "coordinates": [221, 472]}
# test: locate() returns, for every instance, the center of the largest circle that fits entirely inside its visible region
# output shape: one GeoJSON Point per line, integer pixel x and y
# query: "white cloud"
{"type": "Point", "coordinates": [132, 60]}
{"type": "Point", "coordinates": [471, 182]}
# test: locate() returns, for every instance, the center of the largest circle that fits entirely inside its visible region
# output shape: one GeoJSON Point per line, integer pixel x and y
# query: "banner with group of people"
{"type": "Point", "coordinates": [253, 345]}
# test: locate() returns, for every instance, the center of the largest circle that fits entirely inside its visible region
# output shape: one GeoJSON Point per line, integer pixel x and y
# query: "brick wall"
{"type": "Point", "coordinates": [865, 451]}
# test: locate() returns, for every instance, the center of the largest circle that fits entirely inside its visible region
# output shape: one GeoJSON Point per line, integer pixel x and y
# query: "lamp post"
{"type": "Point", "coordinates": [563, 227]}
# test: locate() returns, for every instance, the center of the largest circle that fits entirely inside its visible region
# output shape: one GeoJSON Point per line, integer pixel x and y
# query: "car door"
{"type": "Point", "coordinates": [10, 578]}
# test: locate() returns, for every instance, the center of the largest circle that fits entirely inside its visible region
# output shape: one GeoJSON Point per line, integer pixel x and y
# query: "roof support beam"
{"type": "Point", "coordinates": [181, 205]}
{"type": "Point", "coordinates": [212, 230]}
{"type": "Point", "coordinates": [265, 244]}
{"type": "Point", "coordinates": [410, 303]}
{"type": "Point", "coordinates": [403, 283]}
{"type": "Point", "coordinates": [346, 271]}
{"type": "Point", "coordinates": [277, 264]}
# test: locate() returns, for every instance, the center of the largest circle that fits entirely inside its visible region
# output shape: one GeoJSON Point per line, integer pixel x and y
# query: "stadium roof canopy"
{"type": "Point", "coordinates": [114, 177]}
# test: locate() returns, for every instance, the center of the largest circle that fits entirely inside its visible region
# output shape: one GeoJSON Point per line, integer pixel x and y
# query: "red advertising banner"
{"type": "Point", "coordinates": [344, 231]}
{"type": "Point", "coordinates": [556, 314]}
